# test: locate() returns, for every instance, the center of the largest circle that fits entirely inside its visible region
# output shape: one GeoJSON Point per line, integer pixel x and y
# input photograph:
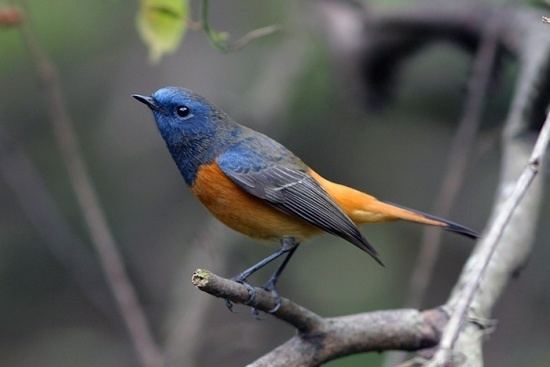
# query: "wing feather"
{"type": "Point", "coordinates": [290, 188]}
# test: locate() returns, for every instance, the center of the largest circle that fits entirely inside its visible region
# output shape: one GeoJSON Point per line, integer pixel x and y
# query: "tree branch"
{"type": "Point", "coordinates": [457, 161]}
{"type": "Point", "coordinates": [488, 247]}
{"type": "Point", "coordinates": [28, 188]}
{"type": "Point", "coordinates": [504, 251]}
{"type": "Point", "coordinates": [290, 312]}
{"type": "Point", "coordinates": [496, 258]}
{"type": "Point", "coordinates": [102, 238]}
{"type": "Point", "coordinates": [322, 339]}
{"type": "Point", "coordinates": [461, 145]}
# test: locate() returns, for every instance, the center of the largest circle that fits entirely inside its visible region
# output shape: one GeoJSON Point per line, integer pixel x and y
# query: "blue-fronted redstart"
{"type": "Point", "coordinates": [256, 186]}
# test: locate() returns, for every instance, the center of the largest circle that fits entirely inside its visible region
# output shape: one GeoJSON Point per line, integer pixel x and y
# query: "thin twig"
{"type": "Point", "coordinates": [36, 201]}
{"type": "Point", "coordinates": [301, 318]}
{"type": "Point", "coordinates": [188, 316]}
{"type": "Point", "coordinates": [219, 39]}
{"type": "Point", "coordinates": [254, 35]}
{"type": "Point", "coordinates": [100, 233]}
{"type": "Point", "coordinates": [457, 160]}
{"type": "Point", "coordinates": [490, 245]}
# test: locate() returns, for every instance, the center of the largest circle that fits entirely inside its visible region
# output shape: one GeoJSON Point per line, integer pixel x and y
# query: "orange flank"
{"type": "Point", "coordinates": [244, 212]}
{"type": "Point", "coordinates": [256, 218]}
{"type": "Point", "coordinates": [363, 208]}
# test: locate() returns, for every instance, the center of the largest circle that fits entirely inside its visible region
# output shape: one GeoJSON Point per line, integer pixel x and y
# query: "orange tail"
{"type": "Point", "coordinates": [364, 208]}
{"type": "Point", "coordinates": [400, 212]}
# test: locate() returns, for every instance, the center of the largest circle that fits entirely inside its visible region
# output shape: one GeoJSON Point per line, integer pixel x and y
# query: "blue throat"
{"type": "Point", "coordinates": [191, 151]}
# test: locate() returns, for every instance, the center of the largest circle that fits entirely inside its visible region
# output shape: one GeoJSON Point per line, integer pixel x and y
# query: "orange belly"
{"type": "Point", "coordinates": [242, 211]}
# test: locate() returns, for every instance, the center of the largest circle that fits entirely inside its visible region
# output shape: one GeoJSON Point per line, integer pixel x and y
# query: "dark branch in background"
{"type": "Point", "coordinates": [457, 160]}
{"type": "Point", "coordinates": [188, 316]}
{"type": "Point", "coordinates": [100, 233]}
{"type": "Point", "coordinates": [27, 185]}
{"type": "Point", "coordinates": [459, 153]}
{"type": "Point", "coordinates": [391, 39]}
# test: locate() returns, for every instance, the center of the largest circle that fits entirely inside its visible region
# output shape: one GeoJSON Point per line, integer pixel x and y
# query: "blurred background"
{"type": "Point", "coordinates": [55, 306]}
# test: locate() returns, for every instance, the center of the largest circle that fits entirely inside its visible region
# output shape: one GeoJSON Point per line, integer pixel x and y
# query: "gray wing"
{"type": "Point", "coordinates": [286, 185]}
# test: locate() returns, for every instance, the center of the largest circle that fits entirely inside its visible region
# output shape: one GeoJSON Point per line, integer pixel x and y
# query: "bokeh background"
{"type": "Point", "coordinates": [55, 308]}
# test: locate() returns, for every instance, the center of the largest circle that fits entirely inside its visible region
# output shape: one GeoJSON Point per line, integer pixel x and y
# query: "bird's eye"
{"type": "Point", "coordinates": [183, 111]}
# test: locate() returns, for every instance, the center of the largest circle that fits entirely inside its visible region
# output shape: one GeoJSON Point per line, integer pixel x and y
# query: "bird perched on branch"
{"type": "Point", "coordinates": [258, 187]}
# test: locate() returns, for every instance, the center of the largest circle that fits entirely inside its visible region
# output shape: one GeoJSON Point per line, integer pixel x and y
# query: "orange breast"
{"type": "Point", "coordinates": [244, 212]}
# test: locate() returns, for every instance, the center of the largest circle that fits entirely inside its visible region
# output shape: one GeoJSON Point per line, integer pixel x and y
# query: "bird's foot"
{"type": "Point", "coordinates": [271, 286]}
{"type": "Point", "coordinates": [251, 294]}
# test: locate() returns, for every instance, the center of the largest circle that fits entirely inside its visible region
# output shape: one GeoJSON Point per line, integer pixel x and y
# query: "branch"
{"type": "Point", "coordinates": [322, 339]}
{"type": "Point", "coordinates": [501, 254]}
{"type": "Point", "coordinates": [388, 39]}
{"type": "Point", "coordinates": [188, 317]}
{"type": "Point", "coordinates": [489, 246]}
{"type": "Point", "coordinates": [102, 238]}
{"type": "Point", "coordinates": [37, 203]}
{"type": "Point", "coordinates": [457, 160]}
{"type": "Point", "coordinates": [290, 312]}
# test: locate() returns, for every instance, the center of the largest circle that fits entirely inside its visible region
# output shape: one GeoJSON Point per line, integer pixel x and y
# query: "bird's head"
{"type": "Point", "coordinates": [194, 129]}
{"type": "Point", "coordinates": [182, 115]}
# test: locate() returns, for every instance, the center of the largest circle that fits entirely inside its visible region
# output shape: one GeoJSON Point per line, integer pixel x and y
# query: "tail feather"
{"type": "Point", "coordinates": [437, 221]}
{"type": "Point", "coordinates": [364, 208]}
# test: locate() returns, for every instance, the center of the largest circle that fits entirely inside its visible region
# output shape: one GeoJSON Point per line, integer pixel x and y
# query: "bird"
{"type": "Point", "coordinates": [258, 187]}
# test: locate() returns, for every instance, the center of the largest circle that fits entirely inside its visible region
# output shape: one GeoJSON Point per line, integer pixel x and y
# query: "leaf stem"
{"type": "Point", "coordinates": [219, 40]}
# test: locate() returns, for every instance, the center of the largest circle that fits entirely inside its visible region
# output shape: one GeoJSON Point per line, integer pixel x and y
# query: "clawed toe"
{"type": "Point", "coordinates": [251, 292]}
{"type": "Point", "coordinates": [251, 295]}
{"type": "Point", "coordinates": [277, 301]}
{"type": "Point", "coordinates": [270, 286]}
{"type": "Point", "coordinates": [288, 247]}
{"type": "Point", "coordinates": [229, 305]}
{"type": "Point", "coordinates": [256, 313]}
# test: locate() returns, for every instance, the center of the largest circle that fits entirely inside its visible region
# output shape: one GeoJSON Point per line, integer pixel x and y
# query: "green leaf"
{"type": "Point", "coordinates": [162, 25]}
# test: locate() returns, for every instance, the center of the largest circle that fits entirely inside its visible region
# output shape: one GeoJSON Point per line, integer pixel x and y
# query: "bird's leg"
{"type": "Point", "coordinates": [287, 244]}
{"type": "Point", "coordinates": [271, 285]}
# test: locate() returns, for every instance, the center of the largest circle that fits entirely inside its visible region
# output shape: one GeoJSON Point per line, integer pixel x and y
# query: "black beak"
{"type": "Point", "coordinates": [149, 101]}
